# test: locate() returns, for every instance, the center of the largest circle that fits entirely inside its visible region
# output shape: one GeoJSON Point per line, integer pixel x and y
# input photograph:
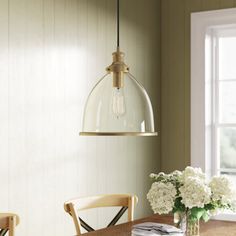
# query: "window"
{"type": "Point", "coordinates": [225, 100]}
{"type": "Point", "coordinates": [220, 68]}
{"type": "Point", "coordinates": [213, 93]}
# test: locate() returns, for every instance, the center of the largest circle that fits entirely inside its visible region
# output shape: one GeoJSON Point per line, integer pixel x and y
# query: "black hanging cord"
{"type": "Point", "coordinates": [118, 23]}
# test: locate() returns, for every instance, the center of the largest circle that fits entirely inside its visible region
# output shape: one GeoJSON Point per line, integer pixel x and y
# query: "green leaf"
{"type": "Point", "coordinates": [210, 206]}
{"type": "Point", "coordinates": [205, 216]}
{"type": "Point", "coordinates": [197, 213]}
{"type": "Point", "coordinates": [179, 206]}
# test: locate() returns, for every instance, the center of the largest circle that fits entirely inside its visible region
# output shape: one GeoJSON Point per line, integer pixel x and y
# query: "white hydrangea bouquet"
{"type": "Point", "coordinates": [190, 196]}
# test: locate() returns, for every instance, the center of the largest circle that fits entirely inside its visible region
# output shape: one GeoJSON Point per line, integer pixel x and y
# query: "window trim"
{"type": "Point", "coordinates": [200, 23]}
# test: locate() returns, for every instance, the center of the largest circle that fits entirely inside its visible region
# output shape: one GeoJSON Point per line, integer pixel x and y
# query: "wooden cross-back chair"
{"type": "Point", "coordinates": [8, 222]}
{"type": "Point", "coordinates": [125, 201]}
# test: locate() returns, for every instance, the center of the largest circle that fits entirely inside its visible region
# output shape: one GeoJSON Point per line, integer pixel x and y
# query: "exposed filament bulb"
{"type": "Point", "coordinates": [118, 102]}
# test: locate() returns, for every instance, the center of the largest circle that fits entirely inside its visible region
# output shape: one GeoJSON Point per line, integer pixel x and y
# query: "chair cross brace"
{"type": "Point", "coordinates": [85, 225]}
{"type": "Point", "coordinates": [118, 216]}
{"type": "Point", "coordinates": [3, 232]}
{"type": "Point", "coordinates": [113, 222]}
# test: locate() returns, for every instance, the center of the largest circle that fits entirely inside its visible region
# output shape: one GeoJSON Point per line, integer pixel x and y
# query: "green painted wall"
{"type": "Point", "coordinates": [175, 80]}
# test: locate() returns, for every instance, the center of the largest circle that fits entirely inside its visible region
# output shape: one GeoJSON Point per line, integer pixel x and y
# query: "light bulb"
{"type": "Point", "coordinates": [118, 102]}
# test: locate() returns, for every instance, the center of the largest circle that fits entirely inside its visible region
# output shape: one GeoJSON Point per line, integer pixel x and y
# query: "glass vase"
{"type": "Point", "coordinates": [183, 222]}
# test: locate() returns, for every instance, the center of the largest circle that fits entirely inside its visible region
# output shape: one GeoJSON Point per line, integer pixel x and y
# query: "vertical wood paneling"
{"type": "Point", "coordinates": [33, 114]}
{"type": "Point", "coordinates": [4, 127]}
{"type": "Point", "coordinates": [71, 102]}
{"type": "Point", "coordinates": [165, 77]}
{"type": "Point", "coordinates": [81, 99]}
{"type": "Point", "coordinates": [102, 145]}
{"type": "Point", "coordinates": [57, 51]}
{"type": "Point", "coordinates": [145, 69]}
{"type": "Point", "coordinates": [48, 124]}
{"type": "Point", "coordinates": [174, 86]}
{"type": "Point", "coordinates": [175, 80]}
{"type": "Point", "coordinates": [226, 4]}
{"type": "Point", "coordinates": [210, 4]}
{"type": "Point", "coordinates": [16, 110]}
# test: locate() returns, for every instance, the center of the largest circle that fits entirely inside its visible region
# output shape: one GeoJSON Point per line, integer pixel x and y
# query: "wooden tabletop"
{"type": "Point", "coordinates": [211, 228]}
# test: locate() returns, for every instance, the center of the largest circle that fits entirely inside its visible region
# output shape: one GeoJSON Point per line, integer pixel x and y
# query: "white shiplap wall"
{"type": "Point", "coordinates": [51, 54]}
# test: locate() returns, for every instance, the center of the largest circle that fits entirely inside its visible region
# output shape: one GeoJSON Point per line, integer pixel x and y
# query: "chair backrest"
{"type": "Point", "coordinates": [127, 202]}
{"type": "Point", "coordinates": [8, 222]}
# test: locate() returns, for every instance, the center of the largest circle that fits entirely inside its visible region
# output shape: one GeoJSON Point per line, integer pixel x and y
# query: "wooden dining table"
{"type": "Point", "coordinates": [211, 228]}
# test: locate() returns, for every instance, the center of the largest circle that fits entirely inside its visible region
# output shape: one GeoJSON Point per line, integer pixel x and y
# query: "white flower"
{"type": "Point", "coordinates": [215, 212]}
{"type": "Point", "coordinates": [160, 177]}
{"type": "Point", "coordinates": [162, 197]}
{"type": "Point", "coordinates": [161, 174]}
{"type": "Point", "coordinates": [222, 190]}
{"type": "Point", "coordinates": [195, 193]}
{"type": "Point", "coordinates": [152, 175]}
{"type": "Point", "coordinates": [233, 204]}
{"type": "Point", "coordinates": [156, 176]}
{"type": "Point", "coordinates": [191, 172]}
{"type": "Point", "coordinates": [177, 173]}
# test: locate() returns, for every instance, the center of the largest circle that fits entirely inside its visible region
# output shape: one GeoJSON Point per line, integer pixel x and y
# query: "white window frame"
{"type": "Point", "coordinates": [201, 144]}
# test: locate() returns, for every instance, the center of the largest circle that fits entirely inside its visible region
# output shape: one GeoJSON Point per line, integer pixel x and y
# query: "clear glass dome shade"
{"type": "Point", "coordinates": [111, 110]}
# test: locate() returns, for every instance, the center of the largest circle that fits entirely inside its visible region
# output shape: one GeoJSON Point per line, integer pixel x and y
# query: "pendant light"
{"type": "Point", "coordinates": [118, 105]}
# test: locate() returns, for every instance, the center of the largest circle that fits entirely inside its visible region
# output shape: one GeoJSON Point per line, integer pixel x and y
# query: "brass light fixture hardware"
{"type": "Point", "coordinates": [118, 68]}
{"type": "Point", "coordinates": [118, 105]}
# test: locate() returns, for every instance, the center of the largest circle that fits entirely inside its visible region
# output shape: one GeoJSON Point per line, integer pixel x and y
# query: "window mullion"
{"type": "Point", "coordinates": [215, 105]}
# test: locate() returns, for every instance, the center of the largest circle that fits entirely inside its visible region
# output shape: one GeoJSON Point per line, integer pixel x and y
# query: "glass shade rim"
{"type": "Point", "coordinates": [84, 133]}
